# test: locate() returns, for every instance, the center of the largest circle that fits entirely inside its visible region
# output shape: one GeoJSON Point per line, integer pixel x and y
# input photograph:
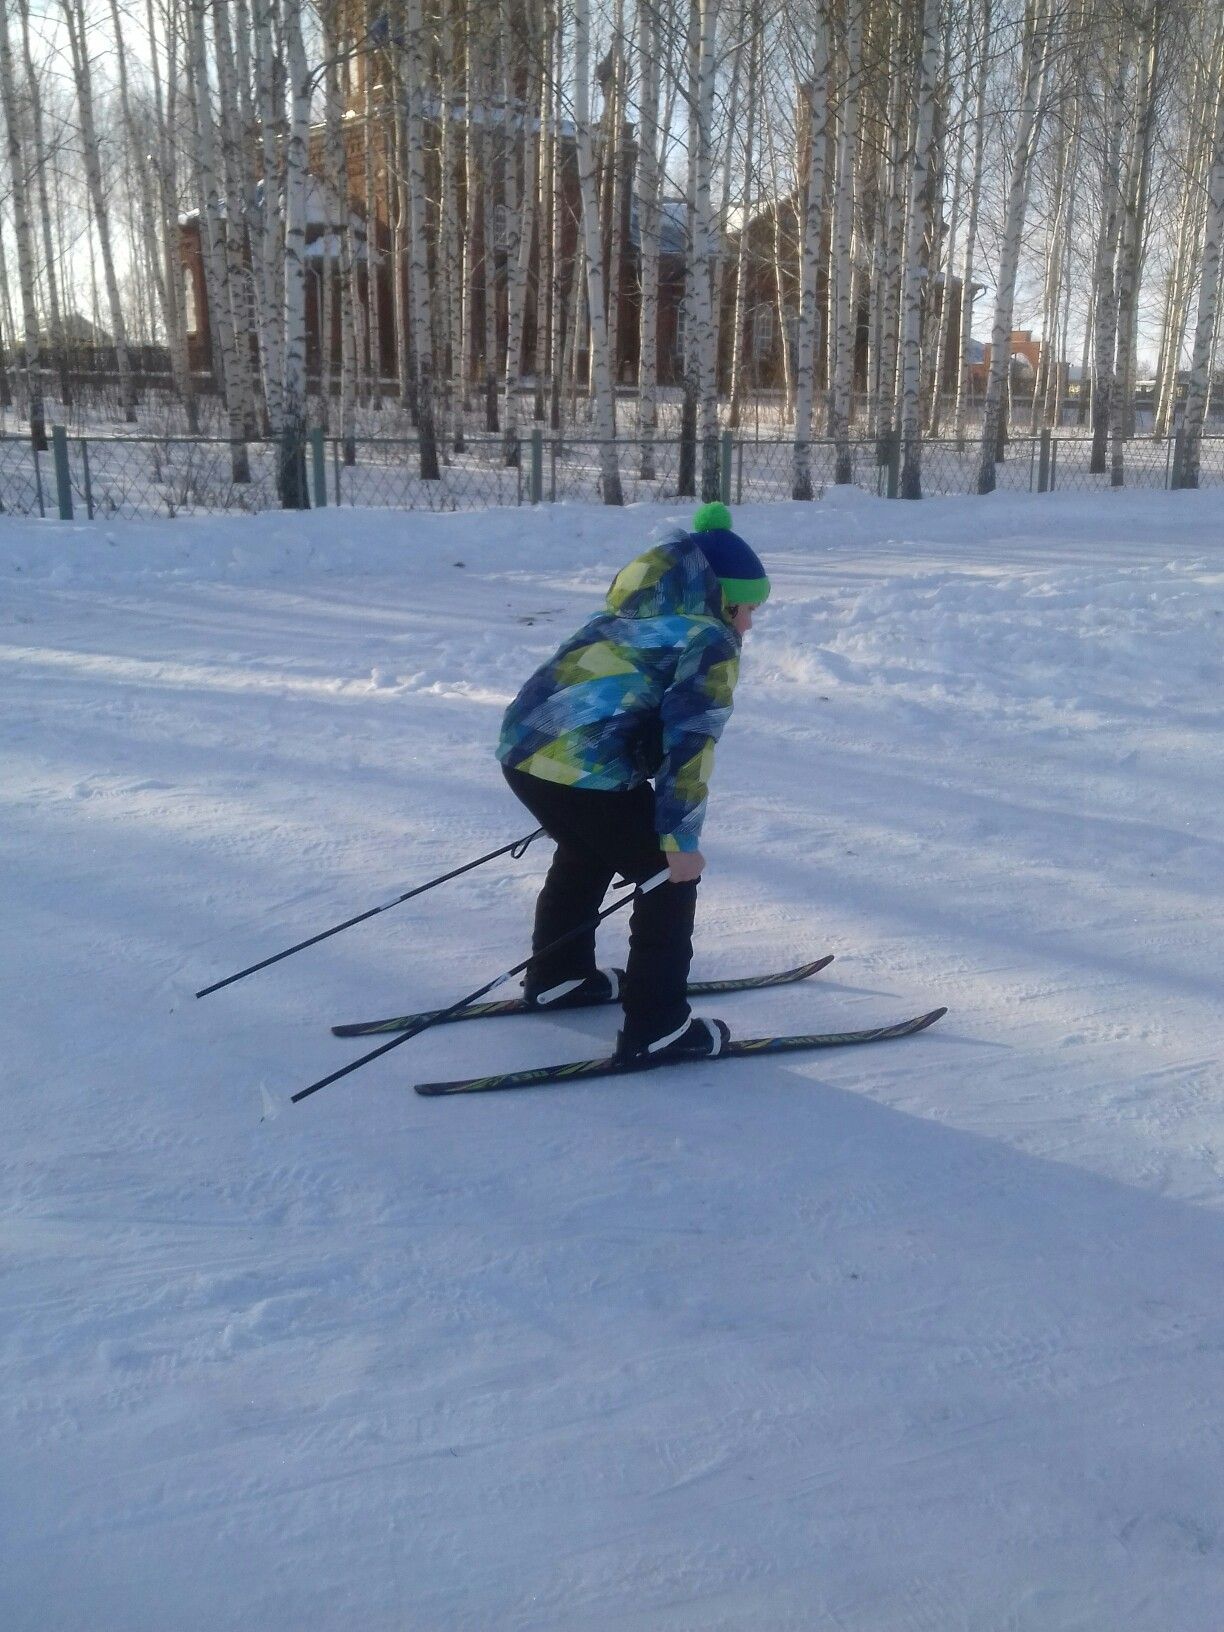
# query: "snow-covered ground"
{"type": "Point", "coordinates": [921, 1338]}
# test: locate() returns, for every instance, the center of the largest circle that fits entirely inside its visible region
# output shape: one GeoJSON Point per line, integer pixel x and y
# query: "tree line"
{"type": "Point", "coordinates": [877, 171]}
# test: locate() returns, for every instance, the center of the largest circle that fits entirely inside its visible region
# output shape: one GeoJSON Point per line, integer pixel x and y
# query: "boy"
{"type": "Point", "coordinates": [641, 691]}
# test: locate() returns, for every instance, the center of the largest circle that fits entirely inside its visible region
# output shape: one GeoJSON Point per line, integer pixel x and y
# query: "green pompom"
{"type": "Point", "coordinates": [712, 518]}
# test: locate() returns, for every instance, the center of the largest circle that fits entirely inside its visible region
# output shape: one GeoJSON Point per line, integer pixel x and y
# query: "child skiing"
{"type": "Point", "coordinates": [641, 691]}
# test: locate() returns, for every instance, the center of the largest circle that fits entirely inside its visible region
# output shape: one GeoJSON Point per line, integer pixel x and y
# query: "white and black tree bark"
{"type": "Point", "coordinates": [1036, 55]}
{"type": "Point", "coordinates": [846, 192]}
{"type": "Point", "coordinates": [912, 275]}
{"type": "Point", "coordinates": [807, 344]}
{"type": "Point", "coordinates": [20, 169]}
{"type": "Point", "coordinates": [604, 403]}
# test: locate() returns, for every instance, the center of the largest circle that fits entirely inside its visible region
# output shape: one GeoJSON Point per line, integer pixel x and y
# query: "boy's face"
{"type": "Point", "coordinates": [741, 618]}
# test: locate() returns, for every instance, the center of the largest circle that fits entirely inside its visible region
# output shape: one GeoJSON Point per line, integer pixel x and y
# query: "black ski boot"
{"type": "Point", "coordinates": [697, 1039]}
{"type": "Point", "coordinates": [602, 987]}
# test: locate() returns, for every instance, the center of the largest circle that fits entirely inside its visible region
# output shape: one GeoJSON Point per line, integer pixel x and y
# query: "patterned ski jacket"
{"type": "Point", "coordinates": [642, 690]}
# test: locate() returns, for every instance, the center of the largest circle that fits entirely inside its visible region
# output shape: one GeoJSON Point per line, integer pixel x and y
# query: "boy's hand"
{"type": "Point", "coordinates": [684, 865]}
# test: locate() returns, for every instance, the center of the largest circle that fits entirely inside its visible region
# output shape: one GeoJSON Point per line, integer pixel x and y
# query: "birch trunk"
{"type": "Point", "coordinates": [270, 233]}
{"type": "Point", "coordinates": [903, 115]}
{"type": "Point", "coordinates": [604, 404]}
{"type": "Point", "coordinates": [292, 471]}
{"type": "Point", "coordinates": [912, 279]}
{"type": "Point", "coordinates": [705, 318]}
{"type": "Point", "coordinates": [164, 112]}
{"type": "Point", "coordinates": [419, 282]}
{"type": "Point", "coordinates": [943, 330]}
{"type": "Point", "coordinates": [648, 182]}
{"type": "Point", "coordinates": [454, 246]}
{"type": "Point", "coordinates": [616, 176]}
{"type": "Point", "coordinates": [1105, 275]}
{"type": "Point", "coordinates": [1198, 384]}
{"type": "Point", "coordinates": [520, 226]}
{"type": "Point", "coordinates": [238, 282]}
{"type": "Point", "coordinates": [1130, 251]}
{"type": "Point", "coordinates": [39, 147]}
{"type": "Point", "coordinates": [337, 176]}
{"type": "Point", "coordinates": [971, 227]}
{"type": "Point", "coordinates": [1037, 56]}
{"type": "Point", "coordinates": [741, 259]}
{"type": "Point", "coordinates": [375, 151]}
{"type": "Point", "coordinates": [781, 260]}
{"type": "Point", "coordinates": [843, 249]}
{"type": "Point", "coordinates": [26, 262]}
{"type": "Point", "coordinates": [74, 16]}
{"type": "Point", "coordinates": [215, 268]}
{"type": "Point", "coordinates": [489, 261]}
{"type": "Point", "coordinates": [808, 340]}
{"type": "Point", "coordinates": [540, 358]}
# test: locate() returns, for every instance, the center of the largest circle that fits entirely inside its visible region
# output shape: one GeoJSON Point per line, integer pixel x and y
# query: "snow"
{"type": "Point", "coordinates": [924, 1336]}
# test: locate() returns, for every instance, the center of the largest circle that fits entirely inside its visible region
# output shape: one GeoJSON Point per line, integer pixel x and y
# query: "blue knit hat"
{"type": "Point", "coordinates": [734, 563]}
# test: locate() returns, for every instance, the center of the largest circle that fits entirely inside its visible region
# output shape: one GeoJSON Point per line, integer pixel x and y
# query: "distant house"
{"type": "Point", "coordinates": [773, 256]}
{"type": "Point", "coordinates": [376, 269]}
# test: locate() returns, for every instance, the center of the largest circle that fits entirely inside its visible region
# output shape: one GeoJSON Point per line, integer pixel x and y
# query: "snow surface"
{"type": "Point", "coordinates": [919, 1338]}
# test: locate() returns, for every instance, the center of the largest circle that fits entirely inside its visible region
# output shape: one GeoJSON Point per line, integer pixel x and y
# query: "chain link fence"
{"type": "Point", "coordinates": [165, 476]}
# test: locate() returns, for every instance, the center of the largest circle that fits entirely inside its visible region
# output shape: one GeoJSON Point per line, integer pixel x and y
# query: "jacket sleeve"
{"type": "Point", "coordinates": [694, 710]}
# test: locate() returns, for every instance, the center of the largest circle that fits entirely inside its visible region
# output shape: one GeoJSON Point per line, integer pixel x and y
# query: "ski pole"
{"type": "Point", "coordinates": [516, 850]}
{"type": "Point", "coordinates": [437, 1018]}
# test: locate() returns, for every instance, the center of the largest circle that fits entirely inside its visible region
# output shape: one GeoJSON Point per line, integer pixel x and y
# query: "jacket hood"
{"type": "Point", "coordinates": [672, 578]}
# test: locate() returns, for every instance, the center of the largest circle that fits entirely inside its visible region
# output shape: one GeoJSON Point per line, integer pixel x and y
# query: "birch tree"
{"type": "Point", "coordinates": [808, 338]}
{"type": "Point", "coordinates": [292, 468]}
{"type": "Point", "coordinates": [647, 182]}
{"type": "Point", "coordinates": [419, 277]}
{"type": "Point", "coordinates": [604, 402]}
{"type": "Point", "coordinates": [843, 246]}
{"type": "Point", "coordinates": [983, 46]}
{"type": "Point", "coordinates": [1198, 383]}
{"type": "Point", "coordinates": [912, 274]}
{"type": "Point", "coordinates": [705, 318]}
{"type": "Point", "coordinates": [19, 182]}
{"type": "Point", "coordinates": [520, 227]}
{"type": "Point", "coordinates": [74, 17]}
{"type": "Point", "coordinates": [1036, 58]}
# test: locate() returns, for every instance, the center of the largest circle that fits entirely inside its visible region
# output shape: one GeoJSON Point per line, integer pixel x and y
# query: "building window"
{"type": "Point", "coordinates": [762, 331]}
{"type": "Point", "coordinates": [501, 229]}
{"type": "Point", "coordinates": [191, 319]}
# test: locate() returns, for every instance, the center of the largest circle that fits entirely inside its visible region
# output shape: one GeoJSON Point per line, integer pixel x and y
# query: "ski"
{"type": "Point", "coordinates": [584, 1070]}
{"type": "Point", "coordinates": [517, 1005]}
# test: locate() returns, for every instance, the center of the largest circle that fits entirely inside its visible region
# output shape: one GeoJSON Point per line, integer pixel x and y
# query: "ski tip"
{"type": "Point", "coordinates": [925, 1020]}
{"type": "Point", "coordinates": [821, 963]}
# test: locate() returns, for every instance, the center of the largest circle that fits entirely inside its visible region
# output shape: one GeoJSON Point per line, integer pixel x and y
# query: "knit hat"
{"type": "Point", "coordinates": [734, 563]}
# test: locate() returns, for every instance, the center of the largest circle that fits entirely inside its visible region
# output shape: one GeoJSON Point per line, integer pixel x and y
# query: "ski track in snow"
{"type": "Point", "coordinates": [919, 1338]}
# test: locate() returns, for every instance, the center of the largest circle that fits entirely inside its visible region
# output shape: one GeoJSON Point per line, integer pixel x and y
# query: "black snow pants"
{"type": "Point", "coordinates": [599, 834]}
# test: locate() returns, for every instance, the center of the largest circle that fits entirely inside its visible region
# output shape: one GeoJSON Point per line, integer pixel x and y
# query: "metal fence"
{"type": "Point", "coordinates": [146, 476]}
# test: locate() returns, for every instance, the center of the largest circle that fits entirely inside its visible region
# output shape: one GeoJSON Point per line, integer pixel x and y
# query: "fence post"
{"type": "Point", "coordinates": [1053, 463]}
{"type": "Point", "coordinates": [85, 473]}
{"type": "Point", "coordinates": [319, 467]}
{"type": "Point", "coordinates": [537, 465]}
{"type": "Point", "coordinates": [1043, 463]}
{"type": "Point", "coordinates": [894, 463]}
{"type": "Point", "coordinates": [63, 478]}
{"type": "Point", "coordinates": [724, 471]}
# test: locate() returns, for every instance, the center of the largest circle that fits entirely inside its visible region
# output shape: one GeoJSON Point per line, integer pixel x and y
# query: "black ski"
{"type": "Point", "coordinates": [583, 1070]}
{"type": "Point", "coordinates": [516, 1005]}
